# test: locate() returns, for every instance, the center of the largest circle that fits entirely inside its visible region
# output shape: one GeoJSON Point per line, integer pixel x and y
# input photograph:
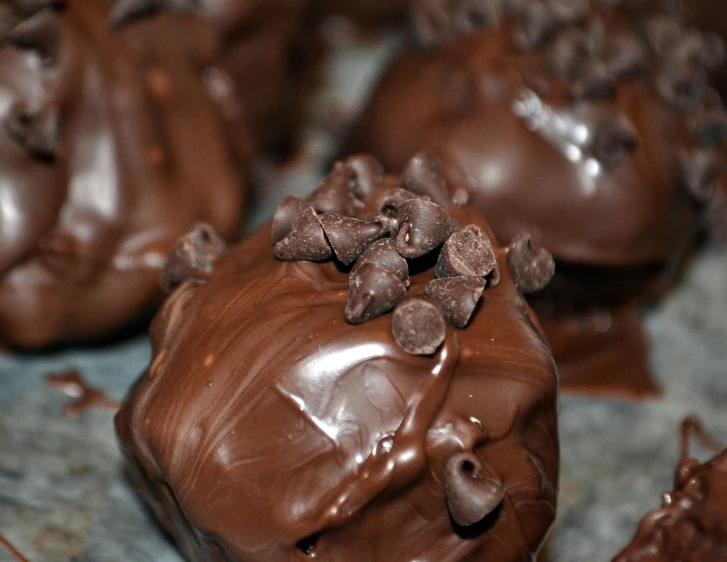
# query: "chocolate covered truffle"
{"type": "Point", "coordinates": [325, 394]}
{"type": "Point", "coordinates": [595, 132]}
{"type": "Point", "coordinates": [691, 525]}
{"type": "Point", "coordinates": [112, 145]}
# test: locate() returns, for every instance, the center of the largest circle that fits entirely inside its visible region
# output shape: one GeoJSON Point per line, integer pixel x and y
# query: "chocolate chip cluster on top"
{"type": "Point", "coordinates": [409, 224]}
{"type": "Point", "coordinates": [596, 131]}
{"type": "Point", "coordinates": [285, 417]}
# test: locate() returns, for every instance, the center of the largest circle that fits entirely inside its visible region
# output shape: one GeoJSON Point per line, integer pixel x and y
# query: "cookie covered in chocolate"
{"type": "Point", "coordinates": [121, 130]}
{"type": "Point", "coordinates": [691, 525]}
{"type": "Point", "coordinates": [594, 131]}
{"type": "Point", "coordinates": [328, 392]}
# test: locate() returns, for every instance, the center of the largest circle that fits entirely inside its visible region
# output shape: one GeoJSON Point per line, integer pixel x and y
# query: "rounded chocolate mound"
{"type": "Point", "coordinates": [115, 140]}
{"type": "Point", "coordinates": [298, 408]}
{"type": "Point", "coordinates": [595, 132]}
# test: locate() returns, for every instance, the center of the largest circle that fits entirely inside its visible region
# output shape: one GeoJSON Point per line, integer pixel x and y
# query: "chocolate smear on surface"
{"type": "Point", "coordinates": [192, 258]}
{"type": "Point", "coordinates": [373, 291]}
{"type": "Point", "coordinates": [456, 297]}
{"type": "Point", "coordinates": [306, 241]}
{"type": "Point", "coordinates": [86, 397]}
{"type": "Point", "coordinates": [470, 495]}
{"type": "Point", "coordinates": [418, 327]}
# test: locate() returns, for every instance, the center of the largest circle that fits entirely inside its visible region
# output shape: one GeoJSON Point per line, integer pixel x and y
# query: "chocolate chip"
{"type": "Point", "coordinates": [423, 226]}
{"type": "Point", "coordinates": [368, 174]}
{"type": "Point", "coordinates": [423, 175]}
{"type": "Point", "coordinates": [390, 224]}
{"type": "Point", "coordinates": [373, 291]}
{"type": "Point", "coordinates": [596, 83]}
{"type": "Point", "coordinates": [702, 51]}
{"type": "Point", "coordinates": [470, 495]}
{"type": "Point", "coordinates": [418, 327]}
{"type": "Point", "coordinates": [390, 200]}
{"type": "Point", "coordinates": [701, 169]}
{"type": "Point", "coordinates": [662, 34]}
{"type": "Point", "coordinates": [306, 241]}
{"type": "Point", "coordinates": [568, 54]}
{"type": "Point", "coordinates": [349, 237]}
{"type": "Point", "coordinates": [467, 252]}
{"type": "Point", "coordinates": [613, 139]}
{"type": "Point", "coordinates": [383, 254]}
{"type": "Point", "coordinates": [569, 12]}
{"type": "Point", "coordinates": [624, 55]}
{"type": "Point", "coordinates": [286, 215]}
{"type": "Point", "coordinates": [456, 297]}
{"type": "Point", "coordinates": [534, 26]}
{"type": "Point", "coordinates": [192, 258]}
{"type": "Point", "coordinates": [532, 266]}
{"type": "Point", "coordinates": [709, 127]}
{"type": "Point", "coordinates": [335, 194]}
{"type": "Point", "coordinates": [680, 86]}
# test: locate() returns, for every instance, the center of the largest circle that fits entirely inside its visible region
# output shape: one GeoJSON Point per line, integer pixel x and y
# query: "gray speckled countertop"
{"type": "Point", "coordinates": [63, 495]}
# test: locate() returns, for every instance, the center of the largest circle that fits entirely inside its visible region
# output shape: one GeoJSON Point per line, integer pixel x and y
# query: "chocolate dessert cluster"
{"type": "Point", "coordinates": [597, 132]}
{"type": "Point", "coordinates": [286, 417]}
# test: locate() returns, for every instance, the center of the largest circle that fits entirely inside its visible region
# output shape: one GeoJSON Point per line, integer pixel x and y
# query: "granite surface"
{"type": "Point", "coordinates": [63, 495]}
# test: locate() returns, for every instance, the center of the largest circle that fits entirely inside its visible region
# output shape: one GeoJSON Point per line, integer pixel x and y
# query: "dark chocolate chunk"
{"type": "Point", "coordinates": [418, 327]}
{"type": "Point", "coordinates": [40, 34]}
{"type": "Point", "coordinates": [467, 252]}
{"type": "Point", "coordinates": [36, 131]}
{"type": "Point", "coordinates": [391, 224]}
{"type": "Point", "coordinates": [681, 86]}
{"type": "Point", "coordinates": [470, 495]}
{"type": "Point", "coordinates": [335, 194]}
{"type": "Point", "coordinates": [383, 253]}
{"type": "Point", "coordinates": [699, 50]}
{"type": "Point", "coordinates": [457, 297]}
{"type": "Point", "coordinates": [286, 215]}
{"type": "Point", "coordinates": [535, 25]}
{"type": "Point", "coordinates": [423, 226]}
{"type": "Point", "coordinates": [663, 33]}
{"type": "Point", "coordinates": [349, 236]}
{"type": "Point", "coordinates": [569, 54]}
{"type": "Point", "coordinates": [700, 173]}
{"type": "Point", "coordinates": [613, 139]}
{"type": "Point", "coordinates": [389, 201]}
{"type": "Point", "coordinates": [306, 241]}
{"type": "Point", "coordinates": [624, 55]}
{"type": "Point", "coordinates": [192, 258]}
{"type": "Point", "coordinates": [532, 266]}
{"type": "Point", "coordinates": [596, 83]}
{"type": "Point", "coordinates": [368, 174]}
{"type": "Point", "coordinates": [423, 175]}
{"type": "Point", "coordinates": [373, 291]}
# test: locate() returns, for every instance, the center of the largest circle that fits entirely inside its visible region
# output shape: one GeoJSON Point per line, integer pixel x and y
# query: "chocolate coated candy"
{"type": "Point", "coordinates": [423, 226]}
{"type": "Point", "coordinates": [306, 241]}
{"type": "Point", "coordinates": [470, 495]}
{"type": "Point", "coordinates": [349, 237]}
{"type": "Point", "coordinates": [418, 327]}
{"type": "Point", "coordinates": [532, 266]}
{"type": "Point", "coordinates": [286, 215]}
{"type": "Point", "coordinates": [456, 297]}
{"type": "Point", "coordinates": [383, 253]}
{"type": "Point", "coordinates": [423, 175]}
{"type": "Point", "coordinates": [467, 252]}
{"type": "Point", "coordinates": [373, 291]}
{"type": "Point", "coordinates": [192, 257]}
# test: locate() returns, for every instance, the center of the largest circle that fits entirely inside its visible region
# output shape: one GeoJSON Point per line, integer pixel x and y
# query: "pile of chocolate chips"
{"type": "Point", "coordinates": [410, 222]}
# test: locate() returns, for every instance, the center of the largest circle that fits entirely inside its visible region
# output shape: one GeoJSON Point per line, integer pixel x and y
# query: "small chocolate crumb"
{"type": "Point", "coordinates": [368, 174]}
{"type": "Point", "coordinates": [383, 253]}
{"type": "Point", "coordinates": [390, 200]}
{"type": "Point", "coordinates": [418, 327]}
{"type": "Point", "coordinates": [423, 175]}
{"type": "Point", "coordinates": [532, 266]}
{"type": "Point", "coordinates": [373, 291]}
{"type": "Point", "coordinates": [306, 241]}
{"type": "Point", "coordinates": [192, 258]}
{"type": "Point", "coordinates": [701, 169]}
{"type": "Point", "coordinates": [349, 236]}
{"type": "Point", "coordinates": [467, 252]}
{"type": "Point", "coordinates": [470, 496]}
{"type": "Point", "coordinates": [613, 139]}
{"type": "Point", "coordinates": [286, 215]}
{"type": "Point", "coordinates": [335, 194]}
{"type": "Point", "coordinates": [456, 297]}
{"type": "Point", "coordinates": [423, 226]}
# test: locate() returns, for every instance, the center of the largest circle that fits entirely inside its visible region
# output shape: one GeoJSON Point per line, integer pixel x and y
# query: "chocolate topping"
{"type": "Point", "coordinates": [349, 236]}
{"type": "Point", "coordinates": [270, 423]}
{"type": "Point", "coordinates": [423, 175]}
{"type": "Point", "coordinates": [286, 215]}
{"type": "Point", "coordinates": [368, 174]}
{"type": "Point", "coordinates": [192, 258]}
{"type": "Point", "coordinates": [335, 195]}
{"type": "Point", "coordinates": [457, 297]}
{"type": "Point", "coordinates": [373, 291]}
{"type": "Point", "coordinates": [306, 240]}
{"type": "Point", "coordinates": [423, 227]}
{"type": "Point", "coordinates": [532, 265]}
{"type": "Point", "coordinates": [390, 200]}
{"type": "Point", "coordinates": [467, 252]}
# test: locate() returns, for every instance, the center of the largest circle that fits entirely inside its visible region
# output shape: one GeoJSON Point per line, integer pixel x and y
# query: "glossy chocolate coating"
{"type": "Point", "coordinates": [506, 125]}
{"type": "Point", "coordinates": [268, 428]}
{"type": "Point", "coordinates": [112, 145]}
{"type": "Point", "coordinates": [691, 525]}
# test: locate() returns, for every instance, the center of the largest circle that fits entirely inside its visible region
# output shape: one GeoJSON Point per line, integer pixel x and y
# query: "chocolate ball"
{"type": "Point", "coordinates": [596, 133]}
{"type": "Point", "coordinates": [121, 129]}
{"type": "Point", "coordinates": [269, 427]}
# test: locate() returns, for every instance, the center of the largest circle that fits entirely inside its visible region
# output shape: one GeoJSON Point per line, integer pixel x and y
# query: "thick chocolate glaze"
{"type": "Point", "coordinates": [111, 147]}
{"type": "Point", "coordinates": [691, 525]}
{"type": "Point", "coordinates": [268, 428]}
{"type": "Point", "coordinates": [566, 131]}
